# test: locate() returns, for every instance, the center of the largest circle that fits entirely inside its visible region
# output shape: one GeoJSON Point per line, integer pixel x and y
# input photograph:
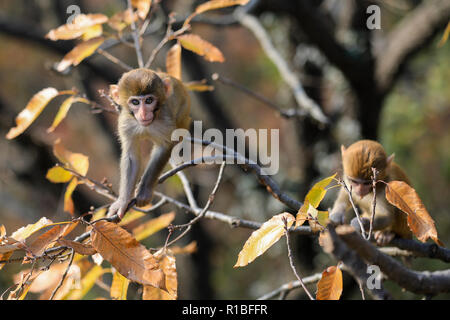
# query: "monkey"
{"type": "Point", "coordinates": [358, 160]}
{"type": "Point", "coordinates": [153, 104]}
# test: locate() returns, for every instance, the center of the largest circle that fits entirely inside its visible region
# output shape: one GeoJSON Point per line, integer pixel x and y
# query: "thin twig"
{"type": "Point", "coordinates": [349, 192]}
{"type": "Point", "coordinates": [114, 59]}
{"type": "Point", "coordinates": [374, 201]}
{"type": "Point", "coordinates": [72, 254]}
{"type": "Point", "coordinates": [291, 261]}
{"type": "Point", "coordinates": [287, 287]}
{"type": "Point", "coordinates": [135, 34]}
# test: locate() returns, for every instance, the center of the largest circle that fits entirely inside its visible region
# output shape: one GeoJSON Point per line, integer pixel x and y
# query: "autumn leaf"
{"type": "Point", "coordinates": [152, 226]}
{"type": "Point", "coordinates": [201, 47]}
{"type": "Point", "coordinates": [121, 20]}
{"type": "Point", "coordinates": [64, 109]}
{"type": "Point", "coordinates": [68, 202]}
{"type": "Point", "coordinates": [168, 265]}
{"type": "Point", "coordinates": [173, 61]}
{"type": "Point", "coordinates": [130, 217]}
{"type": "Point", "coordinates": [401, 195]}
{"type": "Point", "coordinates": [80, 25]}
{"type": "Point", "coordinates": [263, 238]}
{"type": "Point", "coordinates": [119, 287]}
{"type": "Point", "coordinates": [58, 175]}
{"type": "Point", "coordinates": [38, 246]}
{"type": "Point", "coordinates": [79, 53]}
{"type": "Point", "coordinates": [126, 254]}
{"type": "Point", "coordinates": [188, 249]}
{"type": "Point", "coordinates": [92, 32]}
{"type": "Point", "coordinates": [199, 86]}
{"type": "Point", "coordinates": [142, 6]}
{"type": "Point", "coordinates": [33, 109]}
{"type": "Point", "coordinates": [76, 161]}
{"type": "Point", "coordinates": [214, 4]}
{"type": "Point", "coordinates": [24, 232]}
{"type": "Point", "coordinates": [81, 248]}
{"type": "Point", "coordinates": [444, 36]}
{"type": "Point", "coordinates": [329, 286]}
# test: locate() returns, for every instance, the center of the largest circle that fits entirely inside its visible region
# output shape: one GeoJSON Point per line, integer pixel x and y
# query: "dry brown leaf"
{"type": "Point", "coordinates": [152, 226]}
{"type": "Point", "coordinates": [33, 109]}
{"type": "Point", "coordinates": [126, 254]}
{"type": "Point", "coordinates": [79, 53]}
{"type": "Point", "coordinates": [119, 287]}
{"type": "Point", "coordinates": [263, 238]}
{"type": "Point", "coordinates": [80, 25]}
{"type": "Point", "coordinates": [188, 249]}
{"type": "Point", "coordinates": [38, 246]}
{"type": "Point", "coordinates": [142, 6]}
{"type": "Point", "coordinates": [401, 195]}
{"type": "Point", "coordinates": [24, 232]}
{"type": "Point", "coordinates": [329, 286]}
{"type": "Point", "coordinates": [199, 86]}
{"type": "Point", "coordinates": [68, 202]}
{"type": "Point", "coordinates": [217, 4]}
{"type": "Point", "coordinates": [81, 248]}
{"type": "Point", "coordinates": [201, 47]}
{"type": "Point", "coordinates": [168, 265]}
{"type": "Point", "coordinates": [173, 61]}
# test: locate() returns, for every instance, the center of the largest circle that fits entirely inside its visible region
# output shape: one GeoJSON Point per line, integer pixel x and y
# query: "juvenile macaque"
{"type": "Point", "coordinates": [358, 161]}
{"type": "Point", "coordinates": [153, 105]}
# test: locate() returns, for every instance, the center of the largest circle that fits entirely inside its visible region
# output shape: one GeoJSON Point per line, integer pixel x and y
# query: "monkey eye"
{"type": "Point", "coordinates": [149, 100]}
{"type": "Point", "coordinates": [135, 102]}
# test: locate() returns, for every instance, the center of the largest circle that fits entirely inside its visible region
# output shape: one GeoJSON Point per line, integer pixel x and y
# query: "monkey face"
{"type": "Point", "coordinates": [144, 108]}
{"type": "Point", "coordinates": [360, 187]}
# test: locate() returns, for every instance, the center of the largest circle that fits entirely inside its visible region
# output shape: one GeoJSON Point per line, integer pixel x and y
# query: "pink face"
{"type": "Point", "coordinates": [143, 108]}
{"type": "Point", "coordinates": [360, 187]}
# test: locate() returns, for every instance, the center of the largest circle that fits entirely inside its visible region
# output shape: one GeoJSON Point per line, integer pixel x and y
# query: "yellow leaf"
{"type": "Point", "coordinates": [68, 202]}
{"type": "Point", "coordinates": [58, 175]}
{"type": "Point", "coordinates": [86, 284]}
{"type": "Point", "coordinates": [201, 47]}
{"type": "Point", "coordinates": [126, 255]}
{"type": "Point", "coordinates": [75, 161]}
{"type": "Point", "coordinates": [92, 32]}
{"type": "Point", "coordinates": [217, 4]}
{"type": "Point", "coordinates": [80, 24]}
{"type": "Point", "coordinates": [119, 287]}
{"type": "Point", "coordinates": [444, 36]}
{"type": "Point", "coordinates": [329, 286]}
{"type": "Point", "coordinates": [121, 20]}
{"type": "Point", "coordinates": [318, 191]}
{"type": "Point", "coordinates": [173, 61]}
{"type": "Point", "coordinates": [263, 238]}
{"type": "Point", "coordinates": [131, 216]}
{"type": "Point", "coordinates": [142, 6]}
{"type": "Point", "coordinates": [33, 109]}
{"type": "Point", "coordinates": [79, 53]}
{"type": "Point", "coordinates": [200, 86]}
{"type": "Point", "coordinates": [152, 226]}
{"type": "Point", "coordinates": [24, 232]}
{"type": "Point", "coordinates": [401, 195]}
{"type": "Point", "coordinates": [64, 109]}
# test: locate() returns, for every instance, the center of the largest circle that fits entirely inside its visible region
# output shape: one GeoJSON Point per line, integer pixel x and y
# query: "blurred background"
{"type": "Point", "coordinates": [390, 84]}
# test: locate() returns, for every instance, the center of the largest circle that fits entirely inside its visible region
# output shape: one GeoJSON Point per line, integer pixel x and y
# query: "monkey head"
{"type": "Point", "coordinates": [142, 93]}
{"type": "Point", "coordinates": [358, 161]}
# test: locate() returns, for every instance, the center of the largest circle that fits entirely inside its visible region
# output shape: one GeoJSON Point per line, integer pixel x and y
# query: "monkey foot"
{"type": "Point", "coordinates": [383, 237]}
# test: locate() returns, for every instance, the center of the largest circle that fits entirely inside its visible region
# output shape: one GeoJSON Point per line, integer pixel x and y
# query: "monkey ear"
{"type": "Point", "coordinates": [342, 149]}
{"type": "Point", "coordinates": [390, 159]}
{"type": "Point", "coordinates": [114, 92]}
{"type": "Point", "coordinates": [168, 86]}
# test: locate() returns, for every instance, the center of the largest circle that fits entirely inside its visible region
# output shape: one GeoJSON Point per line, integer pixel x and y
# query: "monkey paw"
{"type": "Point", "coordinates": [118, 207]}
{"type": "Point", "coordinates": [383, 237]}
{"type": "Point", "coordinates": [143, 197]}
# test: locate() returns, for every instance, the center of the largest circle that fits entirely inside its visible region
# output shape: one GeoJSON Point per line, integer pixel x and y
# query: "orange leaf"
{"type": "Point", "coordinates": [64, 109]}
{"type": "Point", "coordinates": [329, 286]}
{"type": "Point", "coordinates": [167, 263]}
{"type": "Point", "coordinates": [80, 24]}
{"type": "Point", "coordinates": [444, 36]}
{"type": "Point", "coordinates": [79, 53]}
{"type": "Point", "coordinates": [401, 195]}
{"type": "Point", "coordinates": [142, 6]}
{"type": "Point", "coordinates": [38, 246]}
{"type": "Point", "coordinates": [81, 248]}
{"type": "Point", "coordinates": [201, 47]}
{"type": "Point", "coordinates": [188, 249]}
{"type": "Point", "coordinates": [217, 4]}
{"type": "Point", "coordinates": [173, 61]}
{"type": "Point", "coordinates": [68, 202]}
{"type": "Point", "coordinates": [24, 232]}
{"type": "Point", "coordinates": [92, 32]}
{"type": "Point", "coordinates": [76, 161]}
{"type": "Point", "coordinates": [121, 20]}
{"type": "Point", "coordinates": [33, 109]}
{"type": "Point", "coordinates": [127, 255]}
{"type": "Point", "coordinates": [263, 238]}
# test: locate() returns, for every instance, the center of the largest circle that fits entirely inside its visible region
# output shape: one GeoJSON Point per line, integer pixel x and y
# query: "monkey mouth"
{"type": "Point", "coordinates": [146, 122]}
